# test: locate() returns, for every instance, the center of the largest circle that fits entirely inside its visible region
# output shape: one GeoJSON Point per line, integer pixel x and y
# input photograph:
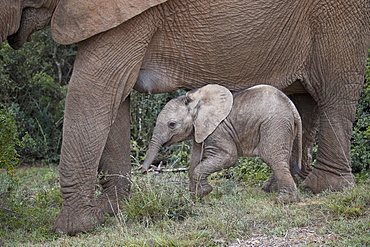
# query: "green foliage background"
{"type": "Point", "coordinates": [8, 140]}
{"type": "Point", "coordinates": [360, 151]}
{"type": "Point", "coordinates": [33, 85]}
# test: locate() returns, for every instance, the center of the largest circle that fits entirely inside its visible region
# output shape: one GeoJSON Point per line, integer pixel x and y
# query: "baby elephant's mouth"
{"type": "Point", "coordinates": [168, 143]}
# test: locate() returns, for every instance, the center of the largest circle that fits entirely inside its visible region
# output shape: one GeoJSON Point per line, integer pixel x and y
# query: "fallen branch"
{"type": "Point", "coordinates": [159, 169]}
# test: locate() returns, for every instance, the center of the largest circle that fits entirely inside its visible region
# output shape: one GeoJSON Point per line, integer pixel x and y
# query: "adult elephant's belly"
{"type": "Point", "coordinates": [237, 47]}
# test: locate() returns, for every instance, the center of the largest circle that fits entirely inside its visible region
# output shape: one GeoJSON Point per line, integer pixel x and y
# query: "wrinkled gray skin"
{"type": "Point", "coordinates": [314, 49]}
{"type": "Point", "coordinates": [262, 122]}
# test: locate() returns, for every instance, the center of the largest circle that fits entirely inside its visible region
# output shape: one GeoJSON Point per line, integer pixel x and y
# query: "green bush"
{"type": "Point", "coordinates": [8, 155]}
{"type": "Point", "coordinates": [40, 118]}
{"type": "Point", "coordinates": [249, 171]}
{"type": "Point", "coordinates": [33, 85]}
{"type": "Point", "coordinates": [8, 139]}
{"type": "Point", "coordinates": [360, 151]}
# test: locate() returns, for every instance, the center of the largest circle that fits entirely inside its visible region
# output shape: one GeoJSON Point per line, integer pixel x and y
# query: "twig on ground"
{"type": "Point", "coordinates": [159, 169]}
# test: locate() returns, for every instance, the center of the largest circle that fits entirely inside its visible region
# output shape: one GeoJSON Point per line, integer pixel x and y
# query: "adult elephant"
{"type": "Point", "coordinates": [317, 47]}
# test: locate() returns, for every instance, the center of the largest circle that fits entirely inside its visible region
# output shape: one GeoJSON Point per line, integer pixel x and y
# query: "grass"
{"type": "Point", "coordinates": [161, 212]}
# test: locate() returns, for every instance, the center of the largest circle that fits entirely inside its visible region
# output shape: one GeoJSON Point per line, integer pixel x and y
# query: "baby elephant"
{"type": "Point", "coordinates": [259, 121]}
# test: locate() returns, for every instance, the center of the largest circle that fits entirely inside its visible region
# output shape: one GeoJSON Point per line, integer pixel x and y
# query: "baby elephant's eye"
{"type": "Point", "coordinates": [171, 125]}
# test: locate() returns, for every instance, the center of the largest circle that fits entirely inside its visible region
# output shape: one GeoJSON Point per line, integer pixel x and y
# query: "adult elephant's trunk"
{"type": "Point", "coordinates": [32, 19]}
{"type": "Point", "coordinates": [152, 151]}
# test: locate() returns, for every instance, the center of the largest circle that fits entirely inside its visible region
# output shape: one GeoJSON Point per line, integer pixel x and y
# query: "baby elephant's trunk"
{"type": "Point", "coordinates": [153, 150]}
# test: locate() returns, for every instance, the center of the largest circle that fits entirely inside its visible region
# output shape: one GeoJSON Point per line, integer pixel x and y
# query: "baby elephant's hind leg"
{"type": "Point", "coordinates": [286, 187]}
{"type": "Point", "coordinates": [275, 149]}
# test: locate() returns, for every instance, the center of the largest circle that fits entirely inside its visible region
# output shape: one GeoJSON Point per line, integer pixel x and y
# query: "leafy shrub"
{"type": "Point", "coordinates": [180, 154]}
{"type": "Point", "coordinates": [8, 155]}
{"type": "Point", "coordinates": [40, 118]}
{"type": "Point", "coordinates": [8, 140]}
{"type": "Point", "coordinates": [249, 171]}
{"type": "Point", "coordinates": [33, 85]}
{"type": "Point", "coordinates": [360, 150]}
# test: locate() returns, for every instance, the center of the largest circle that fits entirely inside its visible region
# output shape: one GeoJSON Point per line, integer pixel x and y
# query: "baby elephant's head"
{"type": "Point", "coordinates": [194, 115]}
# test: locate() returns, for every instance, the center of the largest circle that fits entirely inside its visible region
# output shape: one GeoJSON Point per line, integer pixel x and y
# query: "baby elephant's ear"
{"type": "Point", "coordinates": [209, 106]}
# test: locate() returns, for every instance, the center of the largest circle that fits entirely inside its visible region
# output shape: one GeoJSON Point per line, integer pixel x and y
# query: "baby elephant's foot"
{"type": "Point", "coordinates": [270, 185]}
{"type": "Point", "coordinates": [202, 190]}
{"type": "Point", "coordinates": [286, 199]}
{"type": "Point", "coordinates": [287, 196]}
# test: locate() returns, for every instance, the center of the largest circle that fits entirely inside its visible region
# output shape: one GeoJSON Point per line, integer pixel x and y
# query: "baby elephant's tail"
{"type": "Point", "coordinates": [298, 133]}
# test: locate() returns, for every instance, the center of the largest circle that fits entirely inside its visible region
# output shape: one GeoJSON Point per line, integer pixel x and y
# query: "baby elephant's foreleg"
{"type": "Point", "coordinates": [195, 160]}
{"type": "Point", "coordinates": [205, 168]}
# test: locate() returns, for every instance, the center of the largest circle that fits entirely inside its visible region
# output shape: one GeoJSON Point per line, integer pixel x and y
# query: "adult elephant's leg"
{"type": "Point", "coordinates": [115, 164]}
{"type": "Point", "coordinates": [332, 170]}
{"type": "Point", "coordinates": [335, 73]}
{"type": "Point", "coordinates": [309, 113]}
{"type": "Point", "coordinates": [336, 76]}
{"type": "Point", "coordinates": [84, 133]}
{"type": "Point", "coordinates": [105, 71]}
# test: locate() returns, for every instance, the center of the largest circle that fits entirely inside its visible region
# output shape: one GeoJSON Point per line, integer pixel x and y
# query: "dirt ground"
{"type": "Point", "coordinates": [294, 237]}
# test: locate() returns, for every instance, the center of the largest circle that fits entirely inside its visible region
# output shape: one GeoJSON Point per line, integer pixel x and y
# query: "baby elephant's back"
{"type": "Point", "coordinates": [260, 101]}
{"type": "Point", "coordinates": [256, 105]}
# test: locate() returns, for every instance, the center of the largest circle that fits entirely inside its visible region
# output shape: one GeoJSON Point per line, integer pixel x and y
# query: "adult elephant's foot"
{"type": "Point", "coordinates": [111, 202]}
{"type": "Point", "coordinates": [115, 189]}
{"type": "Point", "coordinates": [319, 180]}
{"type": "Point", "coordinates": [72, 221]}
